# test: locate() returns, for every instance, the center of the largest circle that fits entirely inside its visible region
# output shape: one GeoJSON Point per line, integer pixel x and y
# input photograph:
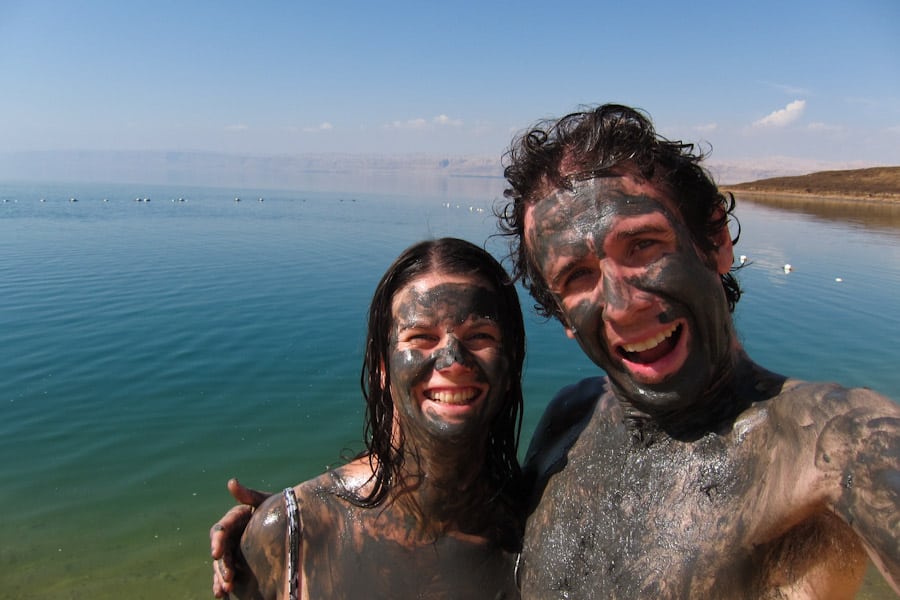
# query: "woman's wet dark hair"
{"type": "Point", "coordinates": [607, 140]}
{"type": "Point", "coordinates": [445, 256]}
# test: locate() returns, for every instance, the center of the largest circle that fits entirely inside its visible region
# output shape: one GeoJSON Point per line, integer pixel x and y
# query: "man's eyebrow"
{"type": "Point", "coordinates": [641, 230]}
{"type": "Point", "coordinates": [563, 271]}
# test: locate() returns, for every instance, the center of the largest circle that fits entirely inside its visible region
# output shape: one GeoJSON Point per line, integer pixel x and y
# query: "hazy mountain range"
{"type": "Point", "coordinates": [298, 171]}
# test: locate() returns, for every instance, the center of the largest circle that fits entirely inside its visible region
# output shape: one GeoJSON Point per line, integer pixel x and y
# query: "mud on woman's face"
{"type": "Point", "coordinates": [448, 366]}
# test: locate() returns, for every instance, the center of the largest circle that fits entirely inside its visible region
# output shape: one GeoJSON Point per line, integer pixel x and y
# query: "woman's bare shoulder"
{"type": "Point", "coordinates": [263, 545]}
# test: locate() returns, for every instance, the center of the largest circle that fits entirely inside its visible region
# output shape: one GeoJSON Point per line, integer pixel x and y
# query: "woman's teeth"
{"type": "Point", "coordinates": [453, 396]}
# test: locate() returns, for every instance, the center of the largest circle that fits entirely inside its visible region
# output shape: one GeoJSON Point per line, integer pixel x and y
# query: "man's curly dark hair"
{"type": "Point", "coordinates": [611, 139]}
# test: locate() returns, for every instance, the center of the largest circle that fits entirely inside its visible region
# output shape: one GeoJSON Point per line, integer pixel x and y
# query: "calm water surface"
{"type": "Point", "coordinates": [152, 350]}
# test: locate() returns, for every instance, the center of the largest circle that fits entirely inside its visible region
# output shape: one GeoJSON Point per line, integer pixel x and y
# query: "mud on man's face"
{"type": "Point", "coordinates": [448, 368]}
{"type": "Point", "coordinates": [641, 300]}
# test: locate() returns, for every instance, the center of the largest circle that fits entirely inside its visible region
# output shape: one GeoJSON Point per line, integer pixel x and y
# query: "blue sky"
{"type": "Point", "coordinates": [804, 80]}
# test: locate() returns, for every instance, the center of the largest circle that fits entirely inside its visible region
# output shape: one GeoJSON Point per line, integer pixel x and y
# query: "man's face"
{"type": "Point", "coordinates": [449, 371]}
{"type": "Point", "coordinates": [633, 289]}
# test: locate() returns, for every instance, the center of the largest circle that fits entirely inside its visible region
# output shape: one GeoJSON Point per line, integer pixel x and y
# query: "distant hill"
{"type": "Point", "coordinates": [876, 183]}
{"type": "Point", "coordinates": [220, 169]}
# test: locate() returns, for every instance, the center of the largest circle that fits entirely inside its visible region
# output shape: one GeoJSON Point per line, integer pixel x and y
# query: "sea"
{"type": "Point", "coordinates": [157, 340]}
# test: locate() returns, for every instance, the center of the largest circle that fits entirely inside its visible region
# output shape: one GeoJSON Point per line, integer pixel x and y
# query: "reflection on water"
{"type": "Point", "coordinates": [872, 214]}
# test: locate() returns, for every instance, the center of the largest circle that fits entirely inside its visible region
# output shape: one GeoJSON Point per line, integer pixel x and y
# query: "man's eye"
{"type": "Point", "coordinates": [644, 244]}
{"type": "Point", "coordinates": [574, 277]}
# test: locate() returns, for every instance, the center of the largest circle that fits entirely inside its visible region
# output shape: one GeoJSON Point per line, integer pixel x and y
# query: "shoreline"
{"type": "Point", "coordinates": [781, 196]}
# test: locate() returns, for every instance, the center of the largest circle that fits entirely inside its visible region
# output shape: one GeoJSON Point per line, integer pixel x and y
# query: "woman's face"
{"type": "Point", "coordinates": [448, 367]}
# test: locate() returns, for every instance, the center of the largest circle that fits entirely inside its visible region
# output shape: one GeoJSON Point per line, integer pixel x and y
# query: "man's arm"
{"type": "Point", "coordinates": [229, 568]}
{"type": "Point", "coordinates": [859, 453]}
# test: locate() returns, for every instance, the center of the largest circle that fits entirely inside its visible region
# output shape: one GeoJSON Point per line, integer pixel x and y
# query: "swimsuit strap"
{"type": "Point", "coordinates": [294, 525]}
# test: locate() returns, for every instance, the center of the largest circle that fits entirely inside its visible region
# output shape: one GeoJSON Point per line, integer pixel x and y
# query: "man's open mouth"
{"type": "Point", "coordinates": [652, 349]}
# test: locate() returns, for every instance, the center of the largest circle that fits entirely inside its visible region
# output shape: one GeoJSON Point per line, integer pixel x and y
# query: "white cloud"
{"type": "Point", "coordinates": [238, 127]}
{"type": "Point", "coordinates": [707, 128]}
{"type": "Point", "coordinates": [418, 123]}
{"type": "Point", "coordinates": [783, 116]}
{"type": "Point", "coordinates": [326, 126]}
{"type": "Point", "coordinates": [819, 126]}
{"type": "Point", "coordinates": [790, 90]}
{"type": "Point", "coordinates": [445, 120]}
{"type": "Point", "coordinates": [423, 124]}
{"type": "Point", "coordinates": [895, 129]}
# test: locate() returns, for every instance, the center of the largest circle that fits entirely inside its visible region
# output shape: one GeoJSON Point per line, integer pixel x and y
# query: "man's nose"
{"type": "Point", "coordinates": [621, 296]}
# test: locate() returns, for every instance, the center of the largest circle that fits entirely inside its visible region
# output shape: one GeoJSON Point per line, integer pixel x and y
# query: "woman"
{"type": "Point", "coordinates": [430, 510]}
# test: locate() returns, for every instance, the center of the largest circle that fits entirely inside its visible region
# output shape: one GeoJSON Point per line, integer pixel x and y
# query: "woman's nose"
{"type": "Point", "coordinates": [450, 355]}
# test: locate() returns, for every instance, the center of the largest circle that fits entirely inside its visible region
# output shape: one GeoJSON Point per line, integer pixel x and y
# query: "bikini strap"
{"type": "Point", "coordinates": [294, 527]}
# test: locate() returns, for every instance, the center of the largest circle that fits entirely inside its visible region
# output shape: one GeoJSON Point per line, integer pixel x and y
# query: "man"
{"type": "Point", "coordinates": [688, 471]}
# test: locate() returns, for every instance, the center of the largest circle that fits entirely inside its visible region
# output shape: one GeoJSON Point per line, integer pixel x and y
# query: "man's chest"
{"type": "Point", "coordinates": [619, 519]}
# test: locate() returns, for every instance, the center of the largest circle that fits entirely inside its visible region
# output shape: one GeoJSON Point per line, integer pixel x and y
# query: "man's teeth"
{"type": "Point", "coordinates": [650, 342]}
{"type": "Point", "coordinates": [454, 397]}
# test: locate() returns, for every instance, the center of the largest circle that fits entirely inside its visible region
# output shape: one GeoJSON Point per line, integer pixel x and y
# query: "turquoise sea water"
{"type": "Point", "coordinates": [151, 350]}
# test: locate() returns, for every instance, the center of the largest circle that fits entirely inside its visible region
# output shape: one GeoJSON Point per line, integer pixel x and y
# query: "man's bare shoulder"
{"type": "Point", "coordinates": [564, 419]}
{"type": "Point", "coordinates": [812, 404]}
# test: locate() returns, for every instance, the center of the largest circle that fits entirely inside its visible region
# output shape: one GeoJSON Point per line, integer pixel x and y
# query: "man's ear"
{"type": "Point", "coordinates": [723, 253]}
{"type": "Point", "coordinates": [570, 331]}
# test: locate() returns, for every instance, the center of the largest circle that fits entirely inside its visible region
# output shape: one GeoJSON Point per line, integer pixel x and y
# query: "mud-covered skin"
{"type": "Point", "coordinates": [435, 328]}
{"type": "Point", "coordinates": [351, 552]}
{"type": "Point", "coordinates": [771, 505]}
{"type": "Point", "coordinates": [618, 258]}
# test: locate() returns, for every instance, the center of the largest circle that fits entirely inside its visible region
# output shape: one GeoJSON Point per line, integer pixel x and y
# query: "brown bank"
{"type": "Point", "coordinates": [879, 185]}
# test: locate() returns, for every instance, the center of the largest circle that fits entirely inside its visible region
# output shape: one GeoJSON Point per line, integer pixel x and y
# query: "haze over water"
{"type": "Point", "coordinates": [152, 350]}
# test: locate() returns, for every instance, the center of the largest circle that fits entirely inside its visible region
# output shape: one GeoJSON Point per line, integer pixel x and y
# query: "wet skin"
{"type": "Point", "coordinates": [783, 502]}
{"type": "Point", "coordinates": [690, 471]}
{"type": "Point", "coordinates": [351, 552]}
{"type": "Point", "coordinates": [444, 538]}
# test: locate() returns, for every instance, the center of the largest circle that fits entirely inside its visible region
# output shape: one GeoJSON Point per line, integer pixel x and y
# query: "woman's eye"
{"type": "Point", "coordinates": [483, 335]}
{"type": "Point", "coordinates": [483, 338]}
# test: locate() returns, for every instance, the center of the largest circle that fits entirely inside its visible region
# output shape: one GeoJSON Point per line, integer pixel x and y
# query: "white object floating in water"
{"type": "Point", "coordinates": [788, 268]}
{"type": "Point", "coordinates": [743, 258]}
{"type": "Point", "coordinates": [838, 279]}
